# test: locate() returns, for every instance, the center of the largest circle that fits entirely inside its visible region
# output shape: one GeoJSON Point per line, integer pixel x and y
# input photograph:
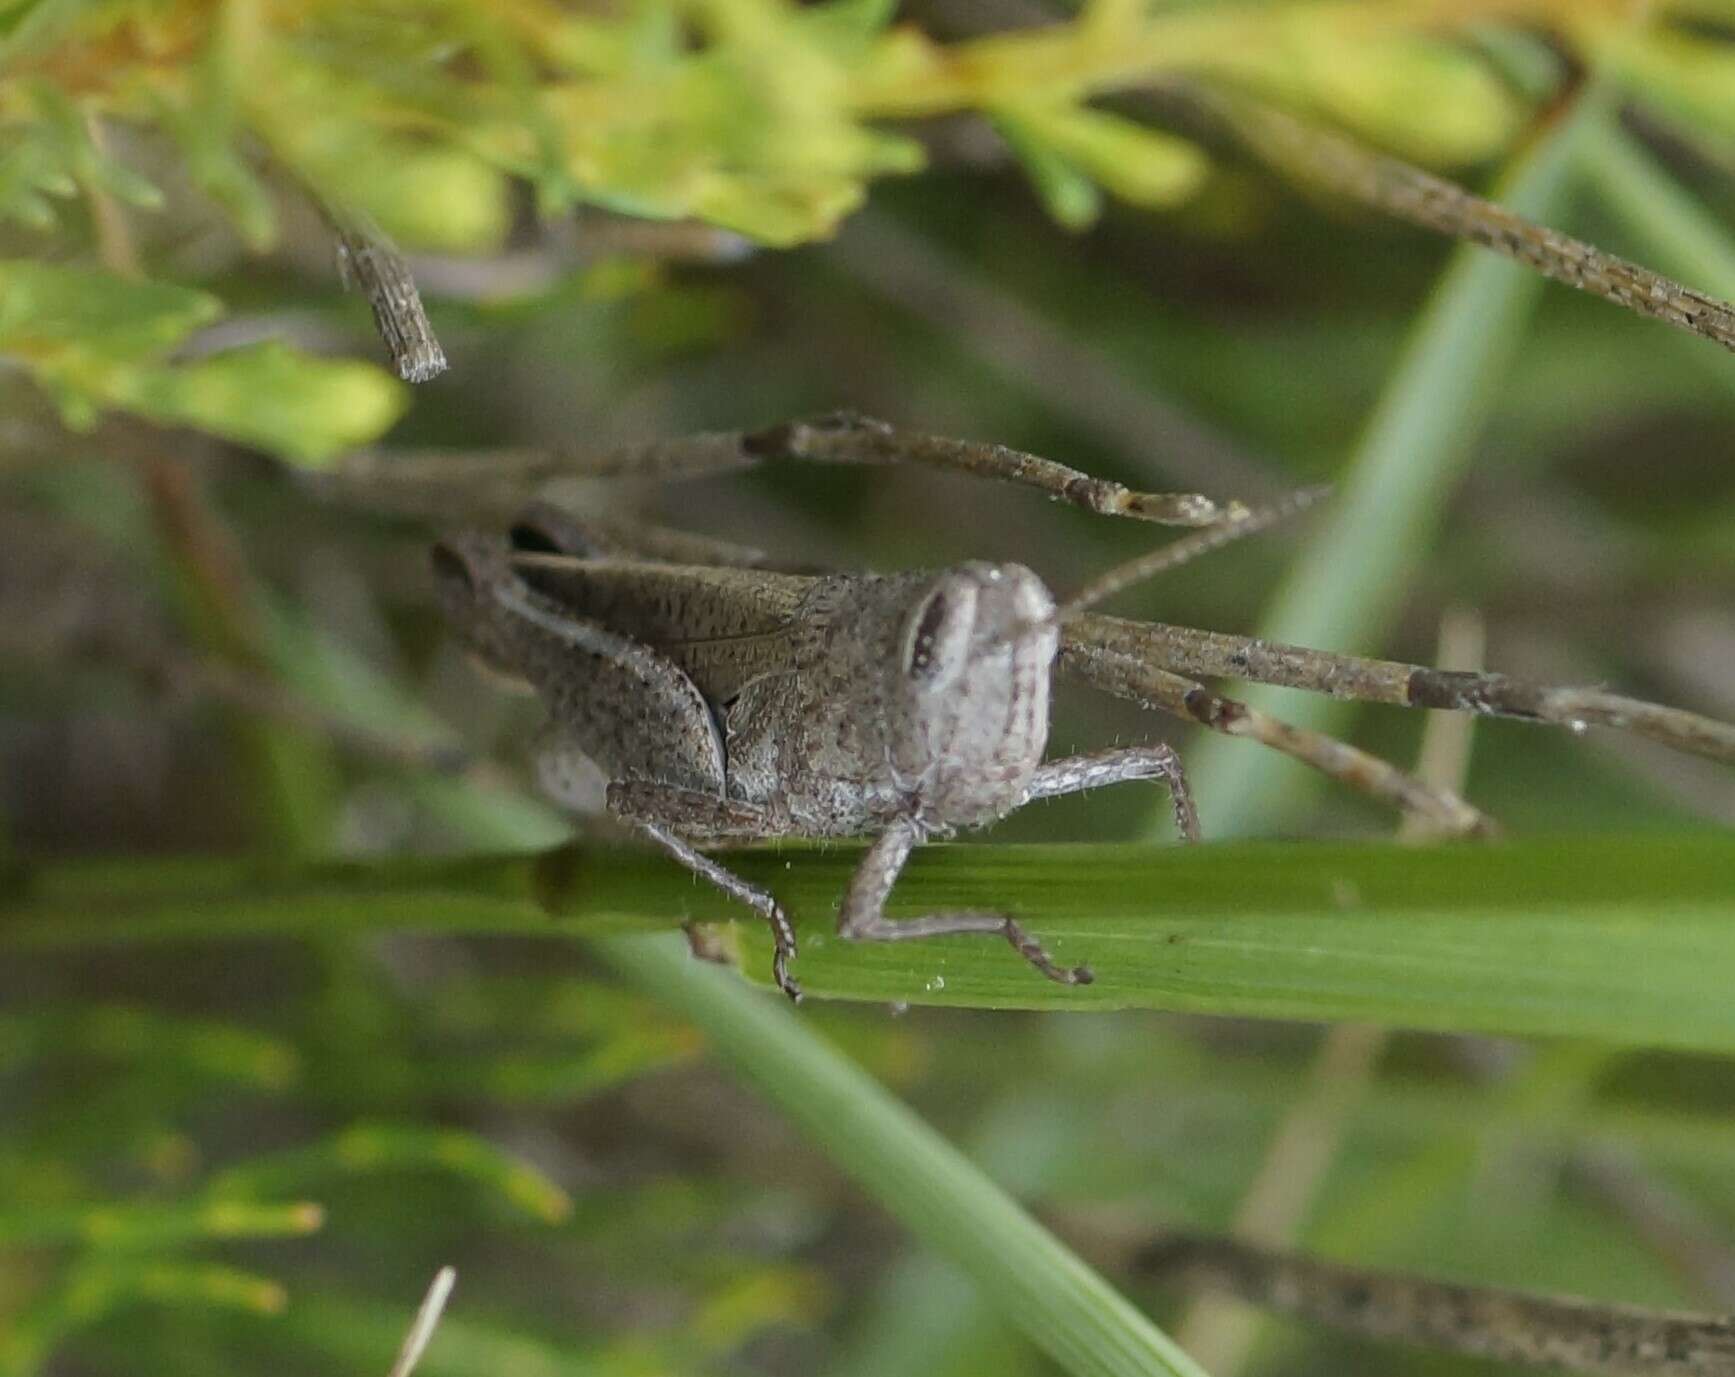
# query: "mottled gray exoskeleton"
{"type": "Point", "coordinates": [733, 705]}
{"type": "Point", "coordinates": [725, 701]}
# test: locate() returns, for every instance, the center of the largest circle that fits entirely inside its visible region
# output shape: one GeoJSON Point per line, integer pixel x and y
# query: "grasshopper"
{"type": "Point", "coordinates": [727, 701]}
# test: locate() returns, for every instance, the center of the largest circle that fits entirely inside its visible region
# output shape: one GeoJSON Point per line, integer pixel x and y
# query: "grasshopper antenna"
{"type": "Point", "coordinates": [1186, 550]}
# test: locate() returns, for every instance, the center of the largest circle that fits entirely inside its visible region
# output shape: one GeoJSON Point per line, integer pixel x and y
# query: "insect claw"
{"type": "Point", "coordinates": [1037, 955]}
{"type": "Point", "coordinates": [780, 974]}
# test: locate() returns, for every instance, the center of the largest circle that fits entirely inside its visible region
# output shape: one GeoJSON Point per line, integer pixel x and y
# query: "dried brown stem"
{"type": "Point", "coordinates": [841, 438]}
{"type": "Point", "coordinates": [1511, 1326]}
{"type": "Point", "coordinates": [850, 439]}
{"type": "Point", "coordinates": [1397, 188]}
{"type": "Point", "coordinates": [371, 263]}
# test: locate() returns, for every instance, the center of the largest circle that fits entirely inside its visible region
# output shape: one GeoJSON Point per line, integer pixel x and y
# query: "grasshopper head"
{"type": "Point", "coordinates": [971, 671]}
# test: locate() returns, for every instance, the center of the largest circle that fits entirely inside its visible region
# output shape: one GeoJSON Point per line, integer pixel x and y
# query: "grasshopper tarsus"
{"type": "Point", "coordinates": [783, 949]}
{"type": "Point", "coordinates": [780, 973]}
{"type": "Point", "coordinates": [1037, 955]}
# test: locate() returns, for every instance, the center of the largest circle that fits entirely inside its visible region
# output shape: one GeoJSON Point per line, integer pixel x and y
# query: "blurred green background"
{"type": "Point", "coordinates": [642, 221]}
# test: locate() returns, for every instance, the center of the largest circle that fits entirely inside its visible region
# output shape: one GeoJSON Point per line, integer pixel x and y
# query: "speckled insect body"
{"type": "Point", "coordinates": [730, 705]}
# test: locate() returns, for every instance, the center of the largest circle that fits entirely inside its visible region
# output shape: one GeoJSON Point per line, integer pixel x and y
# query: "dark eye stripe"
{"type": "Point", "coordinates": [927, 631]}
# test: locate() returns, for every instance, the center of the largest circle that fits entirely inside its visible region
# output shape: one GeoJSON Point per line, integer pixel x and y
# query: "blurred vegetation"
{"type": "Point", "coordinates": [245, 1145]}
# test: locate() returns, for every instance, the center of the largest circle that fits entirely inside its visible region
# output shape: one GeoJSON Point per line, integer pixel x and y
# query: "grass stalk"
{"type": "Point", "coordinates": [1063, 1306]}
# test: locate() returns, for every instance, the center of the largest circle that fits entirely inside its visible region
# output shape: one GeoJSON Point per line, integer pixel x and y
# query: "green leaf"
{"type": "Point", "coordinates": [67, 125]}
{"type": "Point", "coordinates": [64, 317]}
{"type": "Point", "coordinates": [33, 168]}
{"type": "Point", "coordinates": [1070, 196]}
{"type": "Point", "coordinates": [780, 213]}
{"type": "Point", "coordinates": [444, 200]}
{"type": "Point", "coordinates": [1681, 74]}
{"type": "Point", "coordinates": [1141, 165]}
{"type": "Point", "coordinates": [204, 125]}
{"type": "Point", "coordinates": [29, 26]}
{"type": "Point", "coordinates": [91, 337]}
{"type": "Point", "coordinates": [1619, 939]}
{"type": "Point", "coordinates": [270, 396]}
{"type": "Point", "coordinates": [323, 122]}
{"type": "Point", "coordinates": [1431, 101]}
{"type": "Point", "coordinates": [849, 22]}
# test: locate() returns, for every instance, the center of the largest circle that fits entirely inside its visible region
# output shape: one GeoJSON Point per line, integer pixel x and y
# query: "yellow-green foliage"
{"type": "Point", "coordinates": [762, 116]}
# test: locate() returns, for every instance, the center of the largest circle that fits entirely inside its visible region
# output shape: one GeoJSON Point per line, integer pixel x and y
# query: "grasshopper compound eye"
{"type": "Point", "coordinates": [936, 643]}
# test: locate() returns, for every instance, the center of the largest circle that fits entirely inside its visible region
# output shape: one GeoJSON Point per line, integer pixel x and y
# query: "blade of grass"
{"type": "Point", "coordinates": [939, 1195]}
{"type": "Point", "coordinates": [925, 1315]}
{"type": "Point", "coordinates": [1353, 569]}
{"type": "Point", "coordinates": [1623, 939]}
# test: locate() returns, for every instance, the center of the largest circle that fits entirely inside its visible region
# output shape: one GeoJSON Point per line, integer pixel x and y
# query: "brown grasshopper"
{"type": "Point", "coordinates": [729, 702]}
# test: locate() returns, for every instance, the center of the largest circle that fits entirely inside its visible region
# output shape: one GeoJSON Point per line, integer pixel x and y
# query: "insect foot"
{"type": "Point", "coordinates": [760, 900]}
{"type": "Point", "coordinates": [862, 917]}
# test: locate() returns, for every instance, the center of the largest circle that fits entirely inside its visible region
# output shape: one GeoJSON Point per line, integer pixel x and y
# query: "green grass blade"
{"type": "Point", "coordinates": [1622, 939]}
{"type": "Point", "coordinates": [939, 1195]}
{"type": "Point", "coordinates": [926, 1316]}
{"type": "Point", "coordinates": [1358, 560]}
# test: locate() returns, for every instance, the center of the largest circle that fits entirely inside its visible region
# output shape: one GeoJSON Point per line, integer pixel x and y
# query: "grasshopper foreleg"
{"type": "Point", "coordinates": [662, 813]}
{"type": "Point", "coordinates": [1074, 774]}
{"type": "Point", "coordinates": [862, 917]}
